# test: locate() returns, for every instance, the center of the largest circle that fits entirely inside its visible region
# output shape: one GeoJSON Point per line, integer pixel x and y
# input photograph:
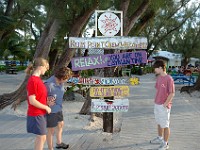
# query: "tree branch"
{"type": "Point", "coordinates": [124, 7]}
{"type": "Point", "coordinates": [9, 7]}
{"type": "Point", "coordinates": [137, 14]}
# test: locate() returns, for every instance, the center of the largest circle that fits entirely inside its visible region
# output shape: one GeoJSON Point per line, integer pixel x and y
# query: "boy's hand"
{"type": "Point", "coordinates": [48, 109]}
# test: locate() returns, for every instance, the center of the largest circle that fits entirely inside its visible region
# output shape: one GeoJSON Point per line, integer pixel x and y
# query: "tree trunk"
{"type": "Point", "coordinates": [16, 96]}
{"type": "Point", "coordinates": [42, 50]}
{"type": "Point", "coordinates": [9, 7]}
{"type": "Point", "coordinates": [51, 29]}
{"type": "Point", "coordinates": [135, 16]}
{"type": "Point", "coordinates": [53, 56]}
{"type": "Point", "coordinates": [185, 61]}
{"type": "Point", "coordinates": [7, 13]}
{"type": "Point", "coordinates": [69, 53]}
{"type": "Point", "coordinates": [85, 110]}
{"type": "Point", "coordinates": [190, 89]}
{"type": "Point", "coordinates": [44, 44]}
{"type": "Point", "coordinates": [75, 32]}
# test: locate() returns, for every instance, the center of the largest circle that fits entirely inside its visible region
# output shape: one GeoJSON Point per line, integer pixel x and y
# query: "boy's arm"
{"type": "Point", "coordinates": [169, 99]}
{"type": "Point", "coordinates": [36, 103]}
{"type": "Point", "coordinates": [172, 93]}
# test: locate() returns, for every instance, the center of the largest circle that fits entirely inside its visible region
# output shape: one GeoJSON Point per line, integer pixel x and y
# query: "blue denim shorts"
{"type": "Point", "coordinates": [36, 124]}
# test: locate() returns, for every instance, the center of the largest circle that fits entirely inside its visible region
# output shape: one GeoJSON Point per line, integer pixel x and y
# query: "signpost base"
{"type": "Point", "coordinates": [108, 122]}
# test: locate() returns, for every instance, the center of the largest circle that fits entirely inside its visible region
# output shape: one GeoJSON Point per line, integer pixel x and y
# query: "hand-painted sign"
{"type": "Point", "coordinates": [109, 24]}
{"type": "Point", "coordinates": [117, 105]}
{"type": "Point", "coordinates": [109, 60]}
{"type": "Point", "coordinates": [104, 81]}
{"type": "Point", "coordinates": [134, 81]}
{"type": "Point", "coordinates": [108, 42]}
{"type": "Point", "coordinates": [108, 91]}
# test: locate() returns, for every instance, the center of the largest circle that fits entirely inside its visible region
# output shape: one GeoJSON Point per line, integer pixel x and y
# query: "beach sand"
{"type": "Point", "coordinates": [137, 125]}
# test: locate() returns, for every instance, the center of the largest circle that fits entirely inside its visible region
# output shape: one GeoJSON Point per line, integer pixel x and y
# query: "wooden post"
{"type": "Point", "coordinates": [108, 120]}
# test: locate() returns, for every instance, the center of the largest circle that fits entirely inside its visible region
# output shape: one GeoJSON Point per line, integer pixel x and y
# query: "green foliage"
{"type": "Point", "coordinates": [6, 22]}
{"type": "Point", "coordinates": [167, 23]}
{"type": "Point", "coordinates": [14, 46]}
{"type": "Point", "coordinates": [2, 68]}
{"type": "Point", "coordinates": [87, 73]}
{"type": "Point", "coordinates": [47, 74]}
{"type": "Point", "coordinates": [186, 40]}
{"type": "Point", "coordinates": [148, 69]}
{"type": "Point", "coordinates": [21, 68]}
{"type": "Point", "coordinates": [159, 21]}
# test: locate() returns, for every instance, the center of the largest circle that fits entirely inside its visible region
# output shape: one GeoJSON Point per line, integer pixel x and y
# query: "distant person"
{"type": "Point", "coordinates": [163, 101]}
{"type": "Point", "coordinates": [86, 53]}
{"type": "Point", "coordinates": [85, 73]}
{"type": "Point", "coordinates": [170, 69]}
{"type": "Point", "coordinates": [55, 87]}
{"type": "Point", "coordinates": [37, 101]}
{"type": "Point", "coordinates": [176, 69]}
{"type": "Point", "coordinates": [181, 70]}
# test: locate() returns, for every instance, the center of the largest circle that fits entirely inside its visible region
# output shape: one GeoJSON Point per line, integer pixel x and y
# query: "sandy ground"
{"type": "Point", "coordinates": [138, 125]}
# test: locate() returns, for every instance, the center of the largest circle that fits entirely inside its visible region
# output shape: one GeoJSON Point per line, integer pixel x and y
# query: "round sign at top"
{"type": "Point", "coordinates": [109, 24]}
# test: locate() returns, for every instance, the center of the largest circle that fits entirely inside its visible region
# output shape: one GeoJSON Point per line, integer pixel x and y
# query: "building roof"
{"type": "Point", "coordinates": [166, 54]}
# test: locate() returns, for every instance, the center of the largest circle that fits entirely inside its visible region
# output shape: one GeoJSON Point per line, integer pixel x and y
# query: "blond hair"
{"type": "Point", "coordinates": [36, 63]}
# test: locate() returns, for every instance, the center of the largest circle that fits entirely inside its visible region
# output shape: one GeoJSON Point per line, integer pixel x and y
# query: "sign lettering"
{"type": "Point", "coordinates": [108, 91]}
{"type": "Point", "coordinates": [108, 42]}
{"type": "Point", "coordinates": [109, 60]}
{"type": "Point", "coordinates": [117, 105]}
{"type": "Point", "coordinates": [104, 81]}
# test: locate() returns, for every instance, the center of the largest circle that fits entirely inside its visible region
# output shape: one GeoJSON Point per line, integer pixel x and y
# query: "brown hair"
{"type": "Point", "coordinates": [63, 73]}
{"type": "Point", "coordinates": [160, 63]}
{"type": "Point", "coordinates": [36, 63]}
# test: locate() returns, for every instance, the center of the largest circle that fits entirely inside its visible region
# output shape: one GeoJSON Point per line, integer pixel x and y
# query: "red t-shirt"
{"type": "Point", "coordinates": [164, 86]}
{"type": "Point", "coordinates": [35, 86]}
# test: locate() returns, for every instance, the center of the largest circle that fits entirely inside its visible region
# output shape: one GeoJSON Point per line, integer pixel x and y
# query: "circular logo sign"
{"type": "Point", "coordinates": [109, 24]}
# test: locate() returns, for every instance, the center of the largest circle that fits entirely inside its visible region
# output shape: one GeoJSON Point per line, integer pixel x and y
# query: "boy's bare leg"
{"type": "Point", "coordinates": [50, 133]}
{"type": "Point", "coordinates": [166, 134]}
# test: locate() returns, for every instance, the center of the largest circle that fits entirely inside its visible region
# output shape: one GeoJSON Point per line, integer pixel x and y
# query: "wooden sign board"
{"type": "Point", "coordinates": [109, 60]}
{"type": "Point", "coordinates": [104, 81]}
{"type": "Point", "coordinates": [118, 42]}
{"type": "Point", "coordinates": [108, 91]}
{"type": "Point", "coordinates": [117, 105]}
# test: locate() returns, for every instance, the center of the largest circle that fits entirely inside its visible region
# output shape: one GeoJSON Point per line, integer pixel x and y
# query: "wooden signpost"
{"type": "Point", "coordinates": [107, 104]}
{"type": "Point", "coordinates": [109, 24]}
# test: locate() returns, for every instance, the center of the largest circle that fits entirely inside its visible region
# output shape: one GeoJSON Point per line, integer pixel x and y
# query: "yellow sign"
{"type": "Point", "coordinates": [134, 81]}
{"type": "Point", "coordinates": [108, 91]}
